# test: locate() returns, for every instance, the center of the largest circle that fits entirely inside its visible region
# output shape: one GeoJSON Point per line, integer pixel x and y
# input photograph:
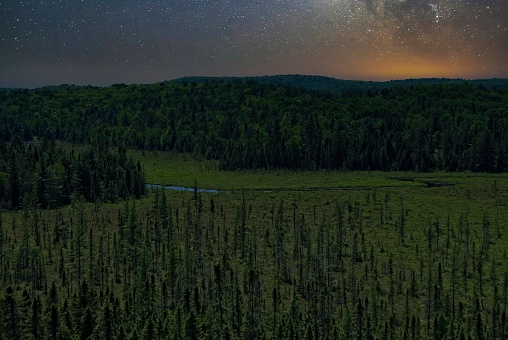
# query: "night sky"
{"type": "Point", "coordinates": [101, 42]}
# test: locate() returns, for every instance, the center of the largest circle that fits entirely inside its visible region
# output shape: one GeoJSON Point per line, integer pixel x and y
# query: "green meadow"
{"type": "Point", "coordinates": [165, 168]}
{"type": "Point", "coordinates": [432, 225]}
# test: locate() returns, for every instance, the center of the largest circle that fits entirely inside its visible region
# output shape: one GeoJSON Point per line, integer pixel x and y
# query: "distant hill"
{"type": "Point", "coordinates": [328, 84]}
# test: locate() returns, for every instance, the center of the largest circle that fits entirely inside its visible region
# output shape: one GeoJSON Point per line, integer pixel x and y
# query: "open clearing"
{"type": "Point", "coordinates": [164, 168]}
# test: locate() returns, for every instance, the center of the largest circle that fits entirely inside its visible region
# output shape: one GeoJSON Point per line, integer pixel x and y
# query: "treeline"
{"type": "Point", "coordinates": [249, 125]}
{"type": "Point", "coordinates": [49, 176]}
{"type": "Point", "coordinates": [198, 267]}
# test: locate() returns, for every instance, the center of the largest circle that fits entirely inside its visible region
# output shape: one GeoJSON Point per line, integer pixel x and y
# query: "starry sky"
{"type": "Point", "coordinates": [103, 42]}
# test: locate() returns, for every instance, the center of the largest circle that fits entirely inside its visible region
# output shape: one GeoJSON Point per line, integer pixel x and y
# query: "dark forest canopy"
{"type": "Point", "coordinates": [47, 175]}
{"type": "Point", "coordinates": [251, 125]}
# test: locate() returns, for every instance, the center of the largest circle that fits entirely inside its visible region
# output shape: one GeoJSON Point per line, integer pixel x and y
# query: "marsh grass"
{"type": "Point", "coordinates": [373, 208]}
{"type": "Point", "coordinates": [181, 169]}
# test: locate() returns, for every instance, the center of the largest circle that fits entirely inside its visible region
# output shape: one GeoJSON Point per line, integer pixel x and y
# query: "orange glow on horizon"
{"type": "Point", "coordinates": [412, 70]}
{"type": "Point", "coordinates": [390, 70]}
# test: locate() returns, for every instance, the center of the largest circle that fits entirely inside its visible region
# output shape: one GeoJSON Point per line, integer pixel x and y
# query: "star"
{"type": "Point", "coordinates": [353, 39]}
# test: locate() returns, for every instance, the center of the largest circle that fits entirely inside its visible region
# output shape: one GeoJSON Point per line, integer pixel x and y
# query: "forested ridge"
{"type": "Point", "coordinates": [339, 86]}
{"type": "Point", "coordinates": [250, 125]}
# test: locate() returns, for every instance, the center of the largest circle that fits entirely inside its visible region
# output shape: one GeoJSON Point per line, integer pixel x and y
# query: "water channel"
{"type": "Point", "coordinates": [178, 188]}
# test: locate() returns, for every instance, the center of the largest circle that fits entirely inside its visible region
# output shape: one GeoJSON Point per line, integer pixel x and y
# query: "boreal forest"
{"type": "Point", "coordinates": [250, 125]}
{"type": "Point", "coordinates": [335, 210]}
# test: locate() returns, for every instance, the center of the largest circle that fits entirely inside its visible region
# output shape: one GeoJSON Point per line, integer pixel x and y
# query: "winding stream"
{"type": "Point", "coordinates": [178, 188]}
{"type": "Point", "coordinates": [428, 184]}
